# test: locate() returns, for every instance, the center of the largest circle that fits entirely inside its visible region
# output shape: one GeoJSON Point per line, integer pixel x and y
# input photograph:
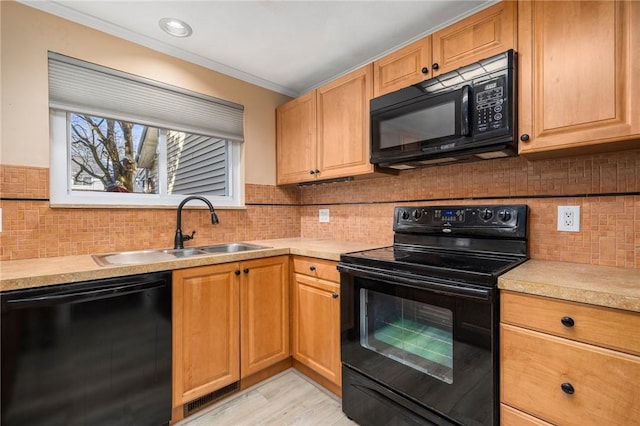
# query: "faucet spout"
{"type": "Point", "coordinates": [179, 238]}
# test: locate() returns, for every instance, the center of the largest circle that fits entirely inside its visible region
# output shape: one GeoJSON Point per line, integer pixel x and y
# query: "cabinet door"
{"type": "Point", "coordinates": [402, 68]}
{"type": "Point", "coordinates": [205, 331]}
{"type": "Point", "coordinates": [484, 34]}
{"type": "Point", "coordinates": [316, 326]}
{"type": "Point", "coordinates": [343, 125]}
{"type": "Point", "coordinates": [579, 76]}
{"type": "Point", "coordinates": [264, 313]}
{"type": "Point", "coordinates": [296, 140]}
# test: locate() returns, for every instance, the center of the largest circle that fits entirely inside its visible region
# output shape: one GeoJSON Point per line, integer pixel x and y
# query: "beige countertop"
{"type": "Point", "coordinates": [27, 273]}
{"type": "Point", "coordinates": [596, 285]}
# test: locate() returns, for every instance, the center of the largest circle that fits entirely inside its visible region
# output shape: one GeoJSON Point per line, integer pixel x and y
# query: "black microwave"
{"type": "Point", "coordinates": [464, 115]}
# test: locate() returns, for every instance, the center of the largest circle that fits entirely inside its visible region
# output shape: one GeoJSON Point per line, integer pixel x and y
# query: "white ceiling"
{"type": "Point", "coordinates": [286, 46]}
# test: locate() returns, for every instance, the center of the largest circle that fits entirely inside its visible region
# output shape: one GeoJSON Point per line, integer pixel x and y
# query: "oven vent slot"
{"type": "Point", "coordinates": [206, 400]}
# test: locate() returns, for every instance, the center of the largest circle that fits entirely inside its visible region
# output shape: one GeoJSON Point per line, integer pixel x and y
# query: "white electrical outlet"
{"type": "Point", "coordinates": [323, 215]}
{"type": "Point", "coordinates": [569, 218]}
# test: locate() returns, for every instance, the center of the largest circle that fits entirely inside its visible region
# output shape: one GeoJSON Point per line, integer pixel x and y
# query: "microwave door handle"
{"type": "Point", "coordinates": [464, 110]}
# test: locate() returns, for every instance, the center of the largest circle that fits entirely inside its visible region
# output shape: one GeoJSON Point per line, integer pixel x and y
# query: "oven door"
{"type": "Point", "coordinates": [427, 342]}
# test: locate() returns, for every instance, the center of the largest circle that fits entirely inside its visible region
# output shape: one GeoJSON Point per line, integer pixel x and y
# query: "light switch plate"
{"type": "Point", "coordinates": [323, 216]}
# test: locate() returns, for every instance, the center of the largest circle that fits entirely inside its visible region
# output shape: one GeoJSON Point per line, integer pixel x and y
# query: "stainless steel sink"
{"type": "Point", "coordinates": [231, 248]}
{"type": "Point", "coordinates": [145, 256]}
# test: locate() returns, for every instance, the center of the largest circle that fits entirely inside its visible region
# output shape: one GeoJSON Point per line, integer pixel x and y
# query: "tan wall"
{"type": "Point", "coordinates": [26, 36]}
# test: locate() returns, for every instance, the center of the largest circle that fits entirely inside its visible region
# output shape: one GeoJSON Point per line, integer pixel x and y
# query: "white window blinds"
{"type": "Point", "coordinates": [80, 86]}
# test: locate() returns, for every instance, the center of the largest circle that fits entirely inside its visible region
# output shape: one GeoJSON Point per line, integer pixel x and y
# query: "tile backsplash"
{"type": "Point", "coordinates": [32, 229]}
{"type": "Point", "coordinates": [605, 186]}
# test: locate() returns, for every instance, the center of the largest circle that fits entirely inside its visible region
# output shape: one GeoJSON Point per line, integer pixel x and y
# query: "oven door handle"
{"type": "Point", "coordinates": [450, 289]}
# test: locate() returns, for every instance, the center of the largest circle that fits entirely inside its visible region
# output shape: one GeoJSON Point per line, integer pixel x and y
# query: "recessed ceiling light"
{"type": "Point", "coordinates": [175, 27]}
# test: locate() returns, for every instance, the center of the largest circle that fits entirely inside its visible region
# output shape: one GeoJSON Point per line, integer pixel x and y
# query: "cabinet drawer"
{"type": "Point", "coordinates": [512, 417]}
{"type": "Point", "coordinates": [318, 268]}
{"type": "Point", "coordinates": [605, 327]}
{"type": "Point", "coordinates": [534, 366]}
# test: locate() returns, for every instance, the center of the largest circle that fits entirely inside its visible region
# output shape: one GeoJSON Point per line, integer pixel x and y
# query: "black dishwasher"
{"type": "Point", "coordinates": [88, 353]}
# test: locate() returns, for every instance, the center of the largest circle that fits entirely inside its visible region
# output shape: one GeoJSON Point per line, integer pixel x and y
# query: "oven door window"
{"type": "Point", "coordinates": [415, 334]}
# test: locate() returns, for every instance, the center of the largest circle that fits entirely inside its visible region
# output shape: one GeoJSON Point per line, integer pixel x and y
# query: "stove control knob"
{"type": "Point", "coordinates": [417, 214]}
{"type": "Point", "coordinates": [504, 215]}
{"type": "Point", "coordinates": [405, 215]}
{"type": "Point", "coordinates": [486, 214]}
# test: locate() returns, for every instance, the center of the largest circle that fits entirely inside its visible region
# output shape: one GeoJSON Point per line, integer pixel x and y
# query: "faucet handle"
{"type": "Point", "coordinates": [188, 237]}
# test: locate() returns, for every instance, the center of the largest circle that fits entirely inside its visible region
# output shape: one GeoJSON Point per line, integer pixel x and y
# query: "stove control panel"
{"type": "Point", "coordinates": [473, 220]}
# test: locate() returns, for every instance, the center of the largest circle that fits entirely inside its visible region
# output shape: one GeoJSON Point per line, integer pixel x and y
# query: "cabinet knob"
{"type": "Point", "coordinates": [312, 268]}
{"type": "Point", "coordinates": [335, 295]}
{"type": "Point", "coordinates": [524, 137]}
{"type": "Point", "coordinates": [567, 321]}
{"type": "Point", "coordinates": [425, 70]}
{"type": "Point", "coordinates": [312, 172]}
{"type": "Point", "coordinates": [237, 271]}
{"type": "Point", "coordinates": [567, 388]}
{"type": "Point", "coordinates": [245, 270]}
{"type": "Point", "coordinates": [435, 66]}
{"type": "Point", "coordinates": [317, 171]}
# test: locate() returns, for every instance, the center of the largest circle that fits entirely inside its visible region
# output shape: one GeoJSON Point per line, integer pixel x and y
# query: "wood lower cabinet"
{"type": "Point", "coordinates": [561, 366]}
{"type": "Point", "coordinates": [316, 320]}
{"type": "Point", "coordinates": [484, 34]}
{"type": "Point", "coordinates": [264, 313]}
{"type": "Point", "coordinates": [579, 76]}
{"type": "Point", "coordinates": [230, 321]}
{"type": "Point", "coordinates": [206, 320]}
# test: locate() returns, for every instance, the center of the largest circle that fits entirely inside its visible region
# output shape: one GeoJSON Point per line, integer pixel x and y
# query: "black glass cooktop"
{"type": "Point", "coordinates": [434, 262]}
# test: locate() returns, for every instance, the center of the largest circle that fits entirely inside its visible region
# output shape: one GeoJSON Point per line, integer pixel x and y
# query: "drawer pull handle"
{"type": "Point", "coordinates": [312, 268]}
{"type": "Point", "coordinates": [567, 321]}
{"type": "Point", "coordinates": [335, 295]}
{"type": "Point", "coordinates": [567, 388]}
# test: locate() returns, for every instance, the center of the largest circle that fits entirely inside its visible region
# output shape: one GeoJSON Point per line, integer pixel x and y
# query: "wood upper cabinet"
{"type": "Point", "coordinates": [579, 76]}
{"type": "Point", "coordinates": [484, 34]}
{"type": "Point", "coordinates": [402, 68]}
{"type": "Point", "coordinates": [264, 313]}
{"type": "Point", "coordinates": [205, 331]}
{"type": "Point", "coordinates": [296, 139]}
{"type": "Point", "coordinates": [343, 125]}
{"type": "Point", "coordinates": [324, 134]}
{"type": "Point", "coordinates": [567, 363]}
{"type": "Point", "coordinates": [316, 318]}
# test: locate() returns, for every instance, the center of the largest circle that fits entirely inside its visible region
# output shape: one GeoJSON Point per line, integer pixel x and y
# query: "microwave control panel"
{"type": "Point", "coordinates": [491, 109]}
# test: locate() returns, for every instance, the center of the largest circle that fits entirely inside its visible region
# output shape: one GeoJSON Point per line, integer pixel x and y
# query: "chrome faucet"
{"type": "Point", "coordinates": [179, 239]}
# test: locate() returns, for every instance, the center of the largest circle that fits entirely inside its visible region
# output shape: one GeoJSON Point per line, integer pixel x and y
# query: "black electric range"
{"type": "Point", "coordinates": [420, 318]}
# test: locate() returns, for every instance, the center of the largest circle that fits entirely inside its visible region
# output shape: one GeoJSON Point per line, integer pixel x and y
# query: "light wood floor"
{"type": "Point", "coordinates": [286, 399]}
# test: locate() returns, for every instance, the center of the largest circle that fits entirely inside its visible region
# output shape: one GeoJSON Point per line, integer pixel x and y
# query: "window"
{"type": "Point", "coordinates": [120, 140]}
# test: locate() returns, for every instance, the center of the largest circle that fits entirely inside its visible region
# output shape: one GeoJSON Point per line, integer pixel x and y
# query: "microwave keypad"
{"type": "Point", "coordinates": [489, 105]}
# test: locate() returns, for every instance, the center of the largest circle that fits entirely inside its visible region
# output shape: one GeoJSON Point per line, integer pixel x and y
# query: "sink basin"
{"type": "Point", "coordinates": [144, 256]}
{"type": "Point", "coordinates": [231, 248]}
